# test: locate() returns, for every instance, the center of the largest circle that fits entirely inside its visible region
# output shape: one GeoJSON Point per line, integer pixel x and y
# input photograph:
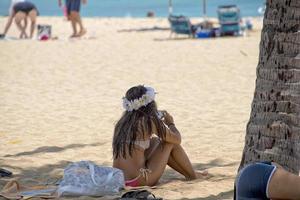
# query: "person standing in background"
{"type": "Point", "coordinates": [73, 11]}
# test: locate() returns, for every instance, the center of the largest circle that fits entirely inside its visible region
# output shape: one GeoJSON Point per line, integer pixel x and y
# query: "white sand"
{"type": "Point", "coordinates": [59, 100]}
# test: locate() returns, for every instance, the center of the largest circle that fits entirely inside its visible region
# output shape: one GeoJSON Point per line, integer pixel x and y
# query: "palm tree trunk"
{"type": "Point", "coordinates": [273, 131]}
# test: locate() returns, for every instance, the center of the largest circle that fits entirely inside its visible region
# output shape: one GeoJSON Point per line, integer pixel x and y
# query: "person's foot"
{"type": "Point", "coordinates": [73, 35]}
{"type": "Point", "coordinates": [199, 174]}
{"type": "Point", "coordinates": [81, 33]}
{"type": "Point", "coordinates": [202, 174]}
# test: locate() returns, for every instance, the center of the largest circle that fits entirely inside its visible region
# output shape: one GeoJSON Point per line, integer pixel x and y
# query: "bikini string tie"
{"type": "Point", "coordinates": [145, 172]}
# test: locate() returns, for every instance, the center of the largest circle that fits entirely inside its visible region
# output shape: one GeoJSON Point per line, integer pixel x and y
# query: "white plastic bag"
{"type": "Point", "coordinates": [85, 178]}
{"type": "Point", "coordinates": [43, 32]}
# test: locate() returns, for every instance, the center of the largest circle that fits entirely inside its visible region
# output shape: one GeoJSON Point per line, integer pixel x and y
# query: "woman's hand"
{"type": "Point", "coordinates": [167, 118]}
{"type": "Point", "coordinates": [173, 135]}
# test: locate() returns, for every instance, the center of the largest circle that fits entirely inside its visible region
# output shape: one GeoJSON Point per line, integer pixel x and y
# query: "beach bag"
{"type": "Point", "coordinates": [43, 32]}
{"type": "Point", "coordinates": [85, 178]}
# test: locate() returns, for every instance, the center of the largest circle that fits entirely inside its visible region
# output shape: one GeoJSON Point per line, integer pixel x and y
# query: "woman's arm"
{"type": "Point", "coordinates": [172, 134]}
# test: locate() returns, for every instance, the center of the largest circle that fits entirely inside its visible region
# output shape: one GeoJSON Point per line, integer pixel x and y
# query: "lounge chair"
{"type": "Point", "coordinates": [229, 19]}
{"type": "Point", "coordinates": [181, 25]}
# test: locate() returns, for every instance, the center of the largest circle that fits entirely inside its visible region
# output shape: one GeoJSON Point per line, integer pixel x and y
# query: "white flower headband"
{"type": "Point", "coordinates": [144, 100]}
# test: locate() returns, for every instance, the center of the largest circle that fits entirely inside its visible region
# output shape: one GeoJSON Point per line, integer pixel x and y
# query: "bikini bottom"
{"type": "Point", "coordinates": [135, 182]}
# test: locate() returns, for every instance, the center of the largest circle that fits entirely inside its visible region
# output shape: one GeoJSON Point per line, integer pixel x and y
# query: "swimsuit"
{"type": "Point", "coordinates": [73, 5]}
{"type": "Point", "coordinates": [135, 182]}
{"type": "Point", "coordinates": [12, 4]}
{"type": "Point", "coordinates": [25, 7]}
{"type": "Point", "coordinates": [144, 144]}
{"type": "Point", "coordinates": [253, 181]}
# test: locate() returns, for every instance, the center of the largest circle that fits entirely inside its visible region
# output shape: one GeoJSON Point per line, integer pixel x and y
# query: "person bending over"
{"type": "Point", "coordinates": [146, 140]}
{"type": "Point", "coordinates": [10, 17]}
{"type": "Point", "coordinates": [266, 180]}
{"type": "Point", "coordinates": [21, 10]}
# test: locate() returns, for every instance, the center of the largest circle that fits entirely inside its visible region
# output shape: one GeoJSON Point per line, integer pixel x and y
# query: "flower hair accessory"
{"type": "Point", "coordinates": [144, 100]}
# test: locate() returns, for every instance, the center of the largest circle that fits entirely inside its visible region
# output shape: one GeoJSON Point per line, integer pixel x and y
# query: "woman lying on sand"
{"type": "Point", "coordinates": [266, 180]}
{"type": "Point", "coordinates": [146, 140]}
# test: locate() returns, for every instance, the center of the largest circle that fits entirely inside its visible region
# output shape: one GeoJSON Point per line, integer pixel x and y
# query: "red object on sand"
{"type": "Point", "coordinates": [44, 38]}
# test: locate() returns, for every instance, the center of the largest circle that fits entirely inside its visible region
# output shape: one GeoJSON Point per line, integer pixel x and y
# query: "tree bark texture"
{"type": "Point", "coordinates": [273, 131]}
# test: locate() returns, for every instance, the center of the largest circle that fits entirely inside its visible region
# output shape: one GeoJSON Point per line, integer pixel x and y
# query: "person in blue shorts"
{"type": "Point", "coordinates": [73, 11]}
{"type": "Point", "coordinates": [19, 11]}
{"type": "Point", "coordinates": [23, 11]}
{"type": "Point", "coordinates": [266, 180]}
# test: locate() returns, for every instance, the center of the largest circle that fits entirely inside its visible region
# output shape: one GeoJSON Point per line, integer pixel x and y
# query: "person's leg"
{"type": "Point", "coordinates": [154, 143]}
{"type": "Point", "coordinates": [182, 161]}
{"type": "Point", "coordinates": [19, 17]}
{"type": "Point", "coordinates": [71, 17]}
{"type": "Point", "coordinates": [76, 7]}
{"type": "Point", "coordinates": [78, 21]}
{"type": "Point", "coordinates": [73, 22]}
{"type": "Point", "coordinates": [284, 185]}
{"type": "Point", "coordinates": [157, 163]}
{"type": "Point", "coordinates": [22, 35]}
{"type": "Point", "coordinates": [173, 164]}
{"type": "Point", "coordinates": [9, 22]}
{"type": "Point", "coordinates": [82, 29]}
{"type": "Point", "coordinates": [178, 160]}
{"type": "Point", "coordinates": [32, 16]}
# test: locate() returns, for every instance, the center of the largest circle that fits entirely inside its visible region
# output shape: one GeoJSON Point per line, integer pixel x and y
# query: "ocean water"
{"type": "Point", "coordinates": [139, 8]}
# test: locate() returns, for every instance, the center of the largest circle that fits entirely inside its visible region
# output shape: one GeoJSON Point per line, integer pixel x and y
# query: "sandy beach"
{"type": "Point", "coordinates": [60, 99]}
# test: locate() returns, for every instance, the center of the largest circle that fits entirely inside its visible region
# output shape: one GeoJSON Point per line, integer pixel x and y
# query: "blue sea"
{"type": "Point", "coordinates": [139, 8]}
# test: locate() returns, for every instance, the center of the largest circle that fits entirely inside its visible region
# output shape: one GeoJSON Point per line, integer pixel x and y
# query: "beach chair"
{"type": "Point", "coordinates": [229, 19]}
{"type": "Point", "coordinates": [181, 25]}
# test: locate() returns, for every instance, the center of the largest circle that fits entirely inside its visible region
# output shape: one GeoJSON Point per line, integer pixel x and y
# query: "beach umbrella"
{"type": "Point", "coordinates": [170, 7]}
{"type": "Point", "coordinates": [204, 9]}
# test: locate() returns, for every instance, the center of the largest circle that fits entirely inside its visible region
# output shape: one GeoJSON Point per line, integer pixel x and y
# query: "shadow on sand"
{"type": "Point", "coordinates": [46, 174]}
{"type": "Point", "coordinates": [50, 174]}
{"type": "Point", "coordinates": [154, 28]}
{"type": "Point", "coordinates": [170, 174]}
{"type": "Point", "coordinates": [221, 195]}
{"type": "Point", "coordinates": [214, 163]}
{"type": "Point", "coordinates": [52, 149]}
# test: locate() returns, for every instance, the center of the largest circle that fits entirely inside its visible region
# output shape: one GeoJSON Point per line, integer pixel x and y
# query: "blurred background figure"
{"type": "Point", "coordinates": [24, 10]}
{"type": "Point", "coordinates": [73, 11]}
{"type": "Point", "coordinates": [19, 11]}
{"type": "Point", "coordinates": [11, 16]}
